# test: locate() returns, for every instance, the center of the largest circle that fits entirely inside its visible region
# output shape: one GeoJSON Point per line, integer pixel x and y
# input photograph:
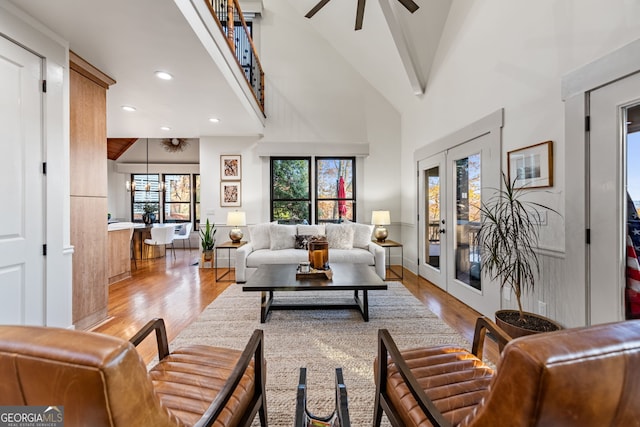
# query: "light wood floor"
{"type": "Point", "coordinates": [178, 291]}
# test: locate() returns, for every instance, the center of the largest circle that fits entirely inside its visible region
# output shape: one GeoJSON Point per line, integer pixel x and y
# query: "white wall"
{"type": "Point", "coordinates": [315, 97]}
{"type": "Point", "coordinates": [57, 289]}
{"type": "Point", "coordinates": [513, 55]}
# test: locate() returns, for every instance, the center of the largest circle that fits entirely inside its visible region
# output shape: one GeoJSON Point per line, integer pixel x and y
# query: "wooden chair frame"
{"type": "Point", "coordinates": [387, 348]}
{"type": "Point", "coordinates": [253, 351]}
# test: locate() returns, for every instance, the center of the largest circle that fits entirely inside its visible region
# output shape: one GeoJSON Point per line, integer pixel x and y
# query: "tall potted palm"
{"type": "Point", "coordinates": [508, 239]}
{"type": "Point", "coordinates": [207, 240]}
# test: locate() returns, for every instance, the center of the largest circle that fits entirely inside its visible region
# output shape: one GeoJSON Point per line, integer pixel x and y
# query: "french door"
{"type": "Point", "coordinates": [614, 195]}
{"type": "Point", "coordinates": [452, 186]}
{"type": "Point", "coordinates": [432, 239]}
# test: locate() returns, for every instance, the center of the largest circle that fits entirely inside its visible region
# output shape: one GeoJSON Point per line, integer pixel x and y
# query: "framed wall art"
{"type": "Point", "coordinates": [532, 166]}
{"type": "Point", "coordinates": [230, 167]}
{"type": "Point", "coordinates": [230, 194]}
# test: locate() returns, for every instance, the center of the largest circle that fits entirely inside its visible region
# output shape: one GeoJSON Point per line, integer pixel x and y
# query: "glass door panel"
{"type": "Point", "coordinates": [468, 193]}
{"type": "Point", "coordinates": [431, 233]}
{"type": "Point", "coordinates": [632, 150]}
{"type": "Point", "coordinates": [432, 217]}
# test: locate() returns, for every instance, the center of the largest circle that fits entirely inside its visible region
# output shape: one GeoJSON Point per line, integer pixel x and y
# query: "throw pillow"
{"type": "Point", "coordinates": [259, 235]}
{"type": "Point", "coordinates": [302, 241]}
{"type": "Point", "coordinates": [282, 236]}
{"type": "Point", "coordinates": [311, 230]}
{"type": "Point", "coordinates": [340, 236]}
{"type": "Point", "coordinates": [361, 234]}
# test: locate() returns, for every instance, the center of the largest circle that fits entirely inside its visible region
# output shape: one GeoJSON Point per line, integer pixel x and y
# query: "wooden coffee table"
{"type": "Point", "coordinates": [270, 278]}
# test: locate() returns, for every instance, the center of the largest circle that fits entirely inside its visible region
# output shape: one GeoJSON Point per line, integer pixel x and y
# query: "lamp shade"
{"type": "Point", "coordinates": [236, 218]}
{"type": "Point", "coordinates": [380, 218]}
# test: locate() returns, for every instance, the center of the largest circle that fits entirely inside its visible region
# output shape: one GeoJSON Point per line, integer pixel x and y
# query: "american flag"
{"type": "Point", "coordinates": [633, 280]}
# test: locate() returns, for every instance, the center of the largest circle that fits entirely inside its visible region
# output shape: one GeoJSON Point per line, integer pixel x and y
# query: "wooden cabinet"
{"type": "Point", "coordinates": [88, 174]}
{"type": "Point", "coordinates": [119, 248]}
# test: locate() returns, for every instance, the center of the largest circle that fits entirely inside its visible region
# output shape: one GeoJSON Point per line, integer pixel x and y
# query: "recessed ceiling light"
{"type": "Point", "coordinates": [214, 120]}
{"type": "Point", "coordinates": [163, 75]}
{"type": "Point", "coordinates": [128, 108]}
{"type": "Point", "coordinates": [165, 128]}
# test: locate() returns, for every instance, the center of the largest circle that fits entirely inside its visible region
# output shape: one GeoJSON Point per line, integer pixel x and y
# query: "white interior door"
{"type": "Point", "coordinates": [21, 211]}
{"type": "Point", "coordinates": [432, 251]}
{"type": "Point", "coordinates": [472, 171]}
{"type": "Point", "coordinates": [612, 127]}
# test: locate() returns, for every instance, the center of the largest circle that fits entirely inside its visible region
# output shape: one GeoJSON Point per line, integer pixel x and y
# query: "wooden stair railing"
{"type": "Point", "coordinates": [228, 14]}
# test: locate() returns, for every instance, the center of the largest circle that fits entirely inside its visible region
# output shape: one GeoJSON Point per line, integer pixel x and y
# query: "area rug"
{"type": "Point", "coordinates": [320, 340]}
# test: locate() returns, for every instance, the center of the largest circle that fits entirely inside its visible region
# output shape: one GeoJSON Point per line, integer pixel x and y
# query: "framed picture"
{"type": "Point", "coordinates": [230, 167]}
{"type": "Point", "coordinates": [230, 194]}
{"type": "Point", "coordinates": [532, 166]}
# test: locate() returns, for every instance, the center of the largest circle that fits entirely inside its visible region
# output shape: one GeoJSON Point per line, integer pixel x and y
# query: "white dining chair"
{"type": "Point", "coordinates": [184, 233]}
{"type": "Point", "coordinates": [162, 236]}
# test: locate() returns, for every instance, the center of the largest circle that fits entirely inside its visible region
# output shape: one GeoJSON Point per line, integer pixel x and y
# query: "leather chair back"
{"type": "Point", "coordinates": [100, 380]}
{"type": "Point", "coordinates": [575, 377]}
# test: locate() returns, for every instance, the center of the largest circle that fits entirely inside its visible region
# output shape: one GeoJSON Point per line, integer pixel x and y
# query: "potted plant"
{"type": "Point", "coordinates": [508, 238]}
{"type": "Point", "coordinates": [207, 240]}
{"type": "Point", "coordinates": [149, 215]}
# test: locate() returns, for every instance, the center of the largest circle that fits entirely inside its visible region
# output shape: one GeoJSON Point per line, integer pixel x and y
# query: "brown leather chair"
{"type": "Point", "coordinates": [574, 377]}
{"type": "Point", "coordinates": [101, 380]}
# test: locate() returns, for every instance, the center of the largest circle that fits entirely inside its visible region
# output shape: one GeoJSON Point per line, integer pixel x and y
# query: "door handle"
{"type": "Point", "coordinates": [442, 231]}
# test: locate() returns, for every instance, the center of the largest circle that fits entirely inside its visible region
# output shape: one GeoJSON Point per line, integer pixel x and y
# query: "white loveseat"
{"type": "Point", "coordinates": [272, 243]}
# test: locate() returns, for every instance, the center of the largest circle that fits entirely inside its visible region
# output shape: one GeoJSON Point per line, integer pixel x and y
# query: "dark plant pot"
{"type": "Point", "coordinates": [149, 218]}
{"type": "Point", "coordinates": [508, 321]}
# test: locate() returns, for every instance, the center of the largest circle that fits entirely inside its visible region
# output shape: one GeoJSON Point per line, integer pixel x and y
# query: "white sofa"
{"type": "Point", "coordinates": [272, 243]}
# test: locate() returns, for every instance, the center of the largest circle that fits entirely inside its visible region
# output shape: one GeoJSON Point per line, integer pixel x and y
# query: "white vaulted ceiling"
{"type": "Point", "coordinates": [130, 40]}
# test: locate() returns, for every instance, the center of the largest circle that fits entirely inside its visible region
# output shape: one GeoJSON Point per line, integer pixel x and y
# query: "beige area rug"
{"type": "Point", "coordinates": [319, 340]}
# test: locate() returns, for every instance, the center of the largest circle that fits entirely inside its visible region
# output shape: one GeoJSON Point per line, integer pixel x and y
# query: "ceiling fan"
{"type": "Point", "coordinates": [409, 4]}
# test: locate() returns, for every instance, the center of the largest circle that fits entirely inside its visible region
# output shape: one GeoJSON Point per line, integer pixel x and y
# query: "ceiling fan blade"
{"type": "Point", "coordinates": [316, 8]}
{"type": "Point", "coordinates": [410, 5]}
{"type": "Point", "coordinates": [360, 14]}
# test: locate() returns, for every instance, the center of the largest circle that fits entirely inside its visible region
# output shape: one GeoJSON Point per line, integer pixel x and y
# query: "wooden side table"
{"type": "Point", "coordinates": [228, 246]}
{"type": "Point", "coordinates": [387, 245]}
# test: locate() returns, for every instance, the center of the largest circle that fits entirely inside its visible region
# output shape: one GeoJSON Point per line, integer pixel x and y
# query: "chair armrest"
{"type": "Point", "coordinates": [254, 350]}
{"type": "Point", "coordinates": [484, 324]}
{"type": "Point", "coordinates": [156, 325]}
{"type": "Point", "coordinates": [387, 349]}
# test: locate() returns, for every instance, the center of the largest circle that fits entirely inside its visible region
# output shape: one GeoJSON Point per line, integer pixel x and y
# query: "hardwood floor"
{"type": "Point", "coordinates": [178, 291]}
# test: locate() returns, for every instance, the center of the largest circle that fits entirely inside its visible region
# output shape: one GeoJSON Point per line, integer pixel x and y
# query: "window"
{"type": "Point", "coordinates": [177, 198]}
{"type": "Point", "coordinates": [335, 189]}
{"type": "Point", "coordinates": [176, 203]}
{"type": "Point", "coordinates": [146, 191]}
{"type": "Point", "coordinates": [335, 195]}
{"type": "Point", "coordinates": [291, 190]}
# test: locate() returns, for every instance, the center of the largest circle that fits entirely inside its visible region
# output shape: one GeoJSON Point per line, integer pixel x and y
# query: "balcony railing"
{"type": "Point", "coordinates": [238, 34]}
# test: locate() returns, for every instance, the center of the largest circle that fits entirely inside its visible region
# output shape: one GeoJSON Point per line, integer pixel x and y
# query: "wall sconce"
{"type": "Point", "coordinates": [130, 185]}
{"type": "Point", "coordinates": [380, 218]}
{"type": "Point", "coordinates": [236, 219]}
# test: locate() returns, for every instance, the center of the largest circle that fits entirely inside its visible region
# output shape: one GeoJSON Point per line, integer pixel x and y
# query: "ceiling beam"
{"type": "Point", "coordinates": [416, 79]}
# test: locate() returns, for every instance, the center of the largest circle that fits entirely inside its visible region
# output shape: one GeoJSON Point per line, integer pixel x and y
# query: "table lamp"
{"type": "Point", "coordinates": [379, 219]}
{"type": "Point", "coordinates": [236, 219]}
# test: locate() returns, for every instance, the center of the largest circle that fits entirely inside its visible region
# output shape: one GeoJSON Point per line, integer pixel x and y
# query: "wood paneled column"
{"type": "Point", "coordinates": [88, 173]}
